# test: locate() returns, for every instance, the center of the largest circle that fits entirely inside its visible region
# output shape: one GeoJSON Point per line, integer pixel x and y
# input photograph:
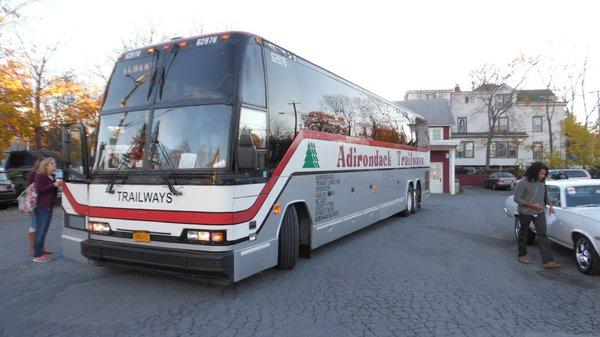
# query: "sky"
{"type": "Point", "coordinates": [387, 47]}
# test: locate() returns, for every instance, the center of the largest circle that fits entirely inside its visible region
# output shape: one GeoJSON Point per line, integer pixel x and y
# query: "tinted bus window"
{"type": "Point", "coordinates": [201, 73]}
{"type": "Point", "coordinates": [253, 77]}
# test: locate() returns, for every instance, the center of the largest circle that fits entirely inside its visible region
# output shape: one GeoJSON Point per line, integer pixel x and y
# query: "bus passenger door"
{"type": "Point", "coordinates": [75, 158]}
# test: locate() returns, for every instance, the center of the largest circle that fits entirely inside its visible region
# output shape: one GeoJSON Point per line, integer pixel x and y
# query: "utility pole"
{"type": "Point", "coordinates": [597, 111]}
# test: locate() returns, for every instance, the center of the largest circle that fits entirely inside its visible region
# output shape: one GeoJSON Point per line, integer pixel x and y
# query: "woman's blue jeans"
{"type": "Point", "coordinates": [42, 223]}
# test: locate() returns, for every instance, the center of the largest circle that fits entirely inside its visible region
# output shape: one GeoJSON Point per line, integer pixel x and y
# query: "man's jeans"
{"type": "Point", "coordinates": [539, 222]}
{"type": "Point", "coordinates": [42, 223]}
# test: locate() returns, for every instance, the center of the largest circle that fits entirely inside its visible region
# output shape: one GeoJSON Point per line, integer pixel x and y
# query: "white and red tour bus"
{"type": "Point", "coordinates": [223, 155]}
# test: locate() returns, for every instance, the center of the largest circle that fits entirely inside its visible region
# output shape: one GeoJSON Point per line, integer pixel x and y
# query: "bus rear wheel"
{"type": "Point", "coordinates": [288, 240]}
{"type": "Point", "coordinates": [410, 202]}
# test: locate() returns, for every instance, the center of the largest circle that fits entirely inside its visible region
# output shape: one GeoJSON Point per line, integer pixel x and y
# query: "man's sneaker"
{"type": "Point", "coordinates": [551, 265]}
{"type": "Point", "coordinates": [523, 259]}
{"type": "Point", "coordinates": [43, 258]}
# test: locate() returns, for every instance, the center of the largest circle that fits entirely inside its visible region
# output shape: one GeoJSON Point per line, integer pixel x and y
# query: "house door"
{"type": "Point", "coordinates": [436, 182]}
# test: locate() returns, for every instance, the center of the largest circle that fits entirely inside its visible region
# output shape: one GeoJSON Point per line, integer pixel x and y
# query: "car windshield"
{"type": "Point", "coordinates": [505, 175]}
{"type": "Point", "coordinates": [579, 196]}
{"type": "Point", "coordinates": [575, 174]}
{"type": "Point", "coordinates": [192, 137]}
{"type": "Point", "coordinates": [121, 140]}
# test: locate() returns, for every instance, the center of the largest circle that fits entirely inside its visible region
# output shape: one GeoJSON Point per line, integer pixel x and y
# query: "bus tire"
{"type": "Point", "coordinates": [288, 240]}
{"type": "Point", "coordinates": [418, 198]}
{"type": "Point", "coordinates": [410, 202]}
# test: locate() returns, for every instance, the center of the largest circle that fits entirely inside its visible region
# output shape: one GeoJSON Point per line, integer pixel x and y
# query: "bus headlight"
{"type": "Point", "coordinates": [98, 227]}
{"type": "Point", "coordinates": [193, 235]}
{"type": "Point", "coordinates": [205, 236]}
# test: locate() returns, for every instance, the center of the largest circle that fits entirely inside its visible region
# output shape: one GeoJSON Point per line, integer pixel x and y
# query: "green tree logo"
{"type": "Point", "coordinates": [311, 160]}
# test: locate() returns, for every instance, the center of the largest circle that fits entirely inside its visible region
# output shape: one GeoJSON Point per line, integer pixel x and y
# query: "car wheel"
{"type": "Point", "coordinates": [530, 233]}
{"type": "Point", "coordinates": [586, 257]}
{"type": "Point", "coordinates": [288, 240]}
{"type": "Point", "coordinates": [410, 202]}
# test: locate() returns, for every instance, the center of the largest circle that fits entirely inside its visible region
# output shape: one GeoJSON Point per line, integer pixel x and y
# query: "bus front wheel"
{"type": "Point", "coordinates": [288, 240]}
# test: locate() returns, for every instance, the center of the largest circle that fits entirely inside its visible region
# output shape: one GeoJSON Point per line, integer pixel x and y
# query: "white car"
{"type": "Point", "coordinates": [577, 225]}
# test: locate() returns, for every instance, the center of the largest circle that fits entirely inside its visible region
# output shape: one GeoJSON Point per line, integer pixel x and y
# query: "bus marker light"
{"type": "Point", "coordinates": [225, 37]}
{"type": "Point", "coordinates": [151, 50]}
{"type": "Point", "coordinates": [217, 236]}
{"type": "Point", "coordinates": [141, 237]}
{"type": "Point", "coordinates": [182, 44]}
{"type": "Point", "coordinates": [277, 208]}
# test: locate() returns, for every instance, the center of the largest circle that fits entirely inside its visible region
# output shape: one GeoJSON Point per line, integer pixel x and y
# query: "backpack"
{"type": "Point", "coordinates": [28, 199]}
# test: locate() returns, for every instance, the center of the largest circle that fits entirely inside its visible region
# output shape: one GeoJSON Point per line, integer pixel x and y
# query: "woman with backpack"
{"type": "Point", "coordinates": [46, 187]}
{"type": "Point", "coordinates": [31, 232]}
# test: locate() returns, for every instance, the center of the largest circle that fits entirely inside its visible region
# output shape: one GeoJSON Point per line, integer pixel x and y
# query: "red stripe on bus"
{"type": "Point", "coordinates": [221, 218]}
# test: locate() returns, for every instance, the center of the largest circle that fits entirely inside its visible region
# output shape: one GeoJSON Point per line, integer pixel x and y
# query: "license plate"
{"type": "Point", "coordinates": [141, 236]}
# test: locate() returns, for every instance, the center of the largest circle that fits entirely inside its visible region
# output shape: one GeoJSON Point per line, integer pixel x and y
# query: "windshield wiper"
{"type": "Point", "coordinates": [153, 76]}
{"type": "Point", "coordinates": [136, 84]}
{"type": "Point", "coordinates": [158, 146]}
{"type": "Point", "coordinates": [125, 158]}
{"type": "Point", "coordinates": [165, 69]}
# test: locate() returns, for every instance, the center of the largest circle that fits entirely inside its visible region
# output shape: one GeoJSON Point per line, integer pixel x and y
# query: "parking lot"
{"type": "Point", "coordinates": [448, 270]}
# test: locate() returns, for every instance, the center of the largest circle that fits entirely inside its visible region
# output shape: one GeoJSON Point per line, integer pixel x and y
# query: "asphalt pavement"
{"type": "Point", "coordinates": [448, 270]}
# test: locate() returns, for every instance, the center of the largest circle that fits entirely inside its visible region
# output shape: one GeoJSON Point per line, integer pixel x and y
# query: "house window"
{"type": "Point", "coordinates": [502, 101]}
{"type": "Point", "coordinates": [538, 125]}
{"type": "Point", "coordinates": [462, 124]}
{"type": "Point", "coordinates": [503, 124]}
{"type": "Point", "coordinates": [538, 150]}
{"type": "Point", "coordinates": [465, 149]}
{"type": "Point", "coordinates": [503, 150]}
{"type": "Point", "coordinates": [436, 134]}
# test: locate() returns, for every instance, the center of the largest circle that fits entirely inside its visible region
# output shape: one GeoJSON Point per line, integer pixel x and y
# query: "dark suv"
{"type": "Point", "coordinates": [7, 190]}
{"type": "Point", "coordinates": [20, 163]}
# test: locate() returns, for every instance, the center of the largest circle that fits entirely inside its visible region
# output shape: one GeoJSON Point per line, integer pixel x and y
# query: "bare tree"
{"type": "Point", "coordinates": [37, 64]}
{"type": "Point", "coordinates": [549, 76]}
{"type": "Point", "coordinates": [496, 97]}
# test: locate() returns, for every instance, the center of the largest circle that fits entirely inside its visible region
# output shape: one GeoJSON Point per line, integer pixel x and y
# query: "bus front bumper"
{"type": "Point", "coordinates": [215, 267]}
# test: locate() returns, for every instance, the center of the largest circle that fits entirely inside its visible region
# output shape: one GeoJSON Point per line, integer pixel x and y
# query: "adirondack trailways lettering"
{"type": "Point", "coordinates": [324, 193]}
{"type": "Point", "coordinates": [149, 197]}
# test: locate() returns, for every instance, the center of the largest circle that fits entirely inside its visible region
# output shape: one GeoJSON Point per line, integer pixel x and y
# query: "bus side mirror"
{"type": "Point", "coordinates": [66, 146]}
{"type": "Point", "coordinates": [246, 153]}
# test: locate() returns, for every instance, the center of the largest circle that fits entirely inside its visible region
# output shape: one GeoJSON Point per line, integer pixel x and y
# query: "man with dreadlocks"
{"type": "Point", "coordinates": [532, 198]}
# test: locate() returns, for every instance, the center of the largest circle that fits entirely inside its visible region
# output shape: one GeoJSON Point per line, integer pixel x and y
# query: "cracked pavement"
{"type": "Point", "coordinates": [449, 270]}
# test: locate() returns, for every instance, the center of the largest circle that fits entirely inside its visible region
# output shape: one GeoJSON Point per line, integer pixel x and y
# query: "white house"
{"type": "Point", "coordinates": [522, 133]}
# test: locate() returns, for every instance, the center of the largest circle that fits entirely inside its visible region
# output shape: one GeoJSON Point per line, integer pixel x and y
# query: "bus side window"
{"type": "Point", "coordinates": [253, 77]}
{"type": "Point", "coordinates": [254, 123]}
{"type": "Point", "coordinates": [284, 105]}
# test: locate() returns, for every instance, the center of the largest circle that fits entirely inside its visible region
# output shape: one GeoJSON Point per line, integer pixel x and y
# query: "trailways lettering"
{"type": "Point", "coordinates": [151, 197]}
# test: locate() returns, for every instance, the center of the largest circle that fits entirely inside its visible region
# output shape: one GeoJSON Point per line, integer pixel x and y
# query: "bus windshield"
{"type": "Point", "coordinates": [206, 72]}
{"type": "Point", "coordinates": [130, 83]}
{"type": "Point", "coordinates": [184, 73]}
{"type": "Point", "coordinates": [191, 137]}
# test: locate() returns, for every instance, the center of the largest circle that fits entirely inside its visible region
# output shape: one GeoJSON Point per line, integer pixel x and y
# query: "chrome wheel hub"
{"type": "Point", "coordinates": [583, 254]}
